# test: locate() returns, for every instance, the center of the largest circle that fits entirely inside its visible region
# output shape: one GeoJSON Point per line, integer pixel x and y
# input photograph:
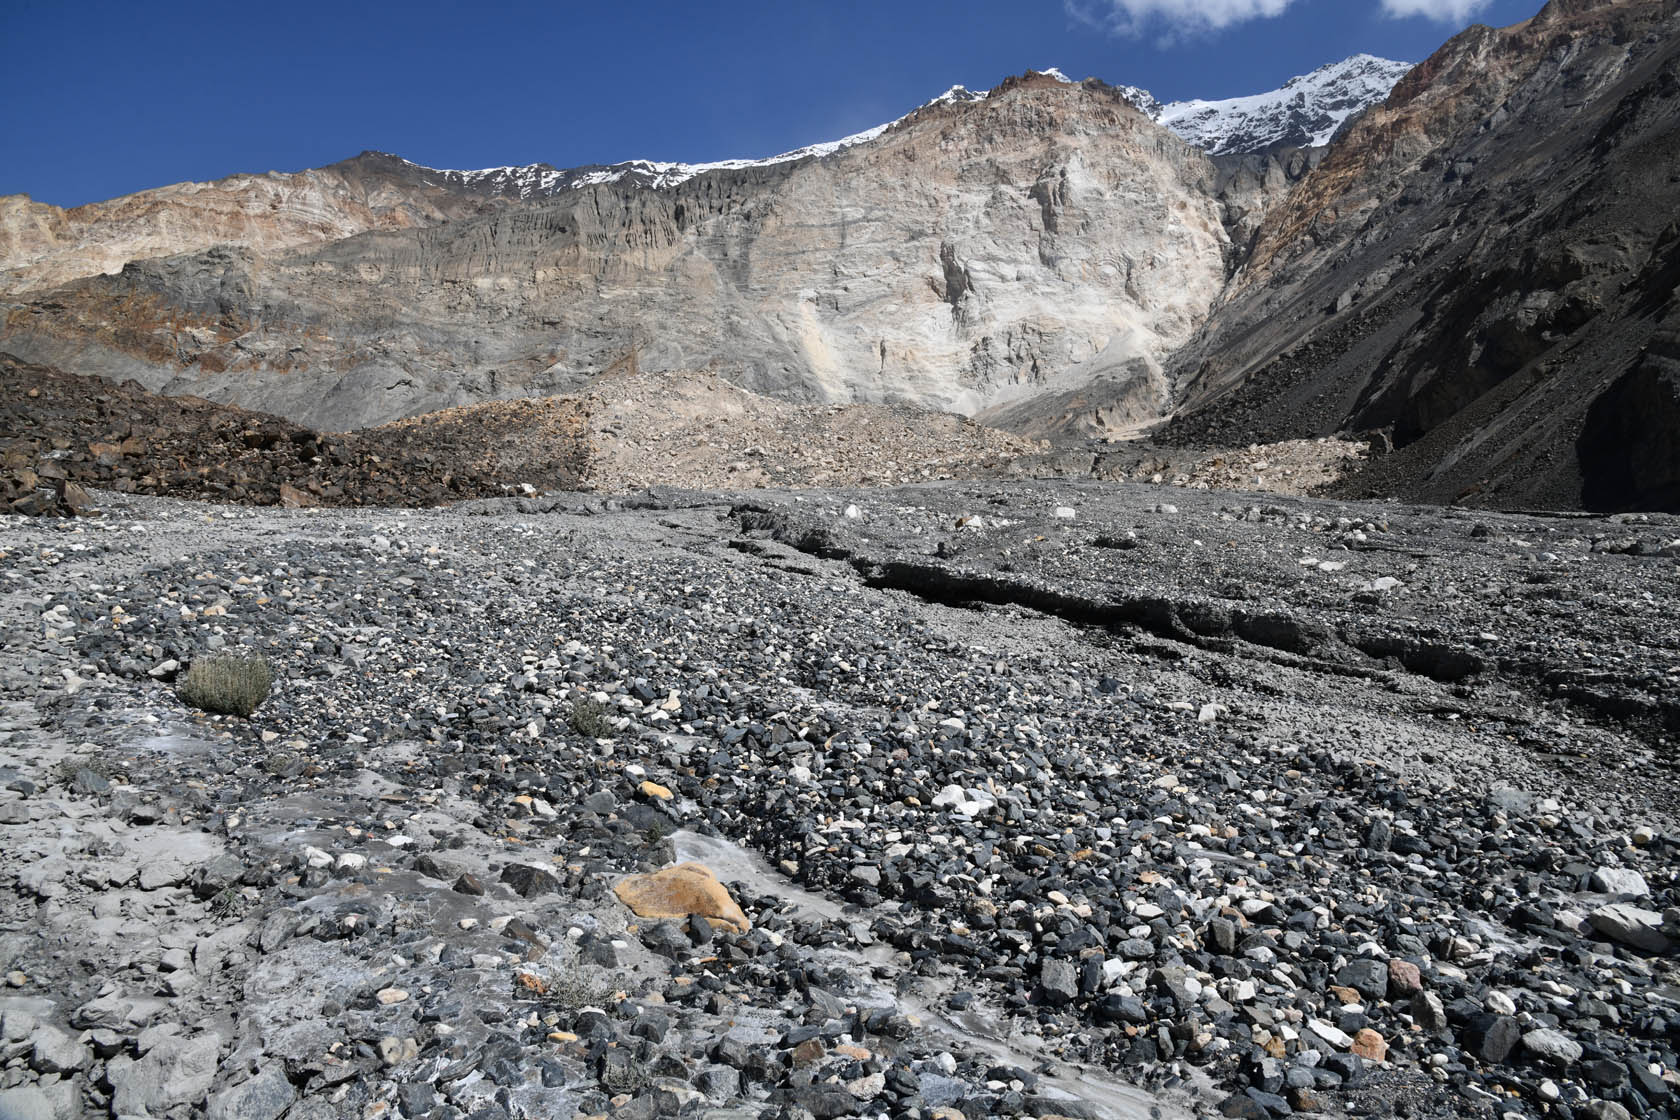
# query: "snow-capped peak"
{"type": "Point", "coordinates": [954, 96]}
{"type": "Point", "coordinates": [1052, 72]}
{"type": "Point", "coordinates": [1306, 112]}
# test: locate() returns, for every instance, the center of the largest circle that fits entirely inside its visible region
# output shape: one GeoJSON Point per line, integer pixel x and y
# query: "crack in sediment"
{"type": "Point", "coordinates": [1264, 635]}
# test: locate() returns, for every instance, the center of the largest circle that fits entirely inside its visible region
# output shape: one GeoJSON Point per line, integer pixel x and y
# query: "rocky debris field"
{"type": "Point", "coordinates": [61, 434]}
{"type": "Point", "coordinates": [699, 431]}
{"type": "Point", "coordinates": [1043, 799]}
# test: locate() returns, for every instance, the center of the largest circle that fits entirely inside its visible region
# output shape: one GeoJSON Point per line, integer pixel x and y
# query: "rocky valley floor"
{"type": "Point", "coordinates": [1045, 798]}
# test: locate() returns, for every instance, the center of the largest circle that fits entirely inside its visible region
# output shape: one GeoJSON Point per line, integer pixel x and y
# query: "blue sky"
{"type": "Point", "coordinates": [102, 99]}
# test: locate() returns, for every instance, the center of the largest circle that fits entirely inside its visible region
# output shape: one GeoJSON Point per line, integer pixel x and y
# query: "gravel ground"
{"type": "Point", "coordinates": [1038, 799]}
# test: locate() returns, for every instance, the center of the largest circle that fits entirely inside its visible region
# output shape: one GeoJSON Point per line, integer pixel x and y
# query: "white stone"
{"type": "Point", "coordinates": [1620, 882]}
{"type": "Point", "coordinates": [1330, 1033]}
{"type": "Point", "coordinates": [949, 797]}
{"type": "Point", "coordinates": [1554, 1046]}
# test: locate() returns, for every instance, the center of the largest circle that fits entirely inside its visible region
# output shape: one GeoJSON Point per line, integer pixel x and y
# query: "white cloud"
{"type": "Point", "coordinates": [1443, 11]}
{"type": "Point", "coordinates": [1134, 17]}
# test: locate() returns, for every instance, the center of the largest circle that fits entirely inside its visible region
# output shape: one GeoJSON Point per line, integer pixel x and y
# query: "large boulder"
{"type": "Point", "coordinates": [677, 892]}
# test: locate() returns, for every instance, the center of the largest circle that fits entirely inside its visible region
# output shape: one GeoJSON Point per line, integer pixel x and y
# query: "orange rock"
{"type": "Point", "coordinates": [677, 892]}
{"type": "Point", "coordinates": [654, 789]}
{"type": "Point", "coordinates": [1404, 979]}
{"type": "Point", "coordinates": [1346, 995]}
{"type": "Point", "coordinates": [809, 1053]}
{"type": "Point", "coordinates": [1368, 1044]}
{"type": "Point", "coordinates": [78, 500]}
{"type": "Point", "coordinates": [293, 498]}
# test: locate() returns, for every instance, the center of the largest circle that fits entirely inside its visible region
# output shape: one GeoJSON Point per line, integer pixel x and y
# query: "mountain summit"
{"type": "Point", "coordinates": [1305, 113]}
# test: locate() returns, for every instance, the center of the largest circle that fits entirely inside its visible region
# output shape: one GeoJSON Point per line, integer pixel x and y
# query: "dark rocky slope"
{"type": "Point", "coordinates": [61, 433]}
{"type": "Point", "coordinates": [1472, 269]}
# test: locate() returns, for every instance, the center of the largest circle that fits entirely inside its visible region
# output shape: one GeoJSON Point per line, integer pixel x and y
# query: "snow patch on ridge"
{"type": "Point", "coordinates": [541, 179]}
{"type": "Point", "coordinates": [1307, 111]}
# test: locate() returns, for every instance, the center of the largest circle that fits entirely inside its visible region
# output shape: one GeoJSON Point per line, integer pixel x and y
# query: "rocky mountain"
{"type": "Point", "coordinates": [43, 246]}
{"type": "Point", "coordinates": [1478, 268]}
{"type": "Point", "coordinates": [1074, 245]}
{"type": "Point", "coordinates": [977, 252]}
{"type": "Point", "coordinates": [1482, 270]}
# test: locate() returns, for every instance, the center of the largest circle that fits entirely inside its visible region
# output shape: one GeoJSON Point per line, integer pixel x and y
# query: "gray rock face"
{"type": "Point", "coordinates": [1059, 981]}
{"type": "Point", "coordinates": [1369, 978]}
{"type": "Point", "coordinates": [58, 1051]}
{"type": "Point", "coordinates": [264, 1097]}
{"type": "Point", "coordinates": [1552, 1046]}
{"type": "Point", "coordinates": [1621, 882]}
{"type": "Point", "coordinates": [1630, 925]}
{"type": "Point", "coordinates": [176, 1071]}
{"type": "Point", "coordinates": [976, 254]}
{"type": "Point", "coordinates": [40, 1102]}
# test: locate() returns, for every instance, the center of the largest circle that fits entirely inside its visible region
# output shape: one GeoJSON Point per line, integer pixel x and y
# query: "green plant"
{"type": "Point", "coordinates": [589, 717]}
{"type": "Point", "coordinates": [226, 683]}
{"type": "Point", "coordinates": [280, 764]}
{"type": "Point", "coordinates": [226, 903]}
{"type": "Point", "coordinates": [68, 768]}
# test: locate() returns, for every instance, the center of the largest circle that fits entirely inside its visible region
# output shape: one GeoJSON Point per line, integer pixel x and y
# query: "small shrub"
{"type": "Point", "coordinates": [226, 683]}
{"type": "Point", "coordinates": [69, 768]}
{"type": "Point", "coordinates": [282, 764]}
{"type": "Point", "coordinates": [571, 991]}
{"type": "Point", "coordinates": [589, 717]}
{"type": "Point", "coordinates": [226, 903]}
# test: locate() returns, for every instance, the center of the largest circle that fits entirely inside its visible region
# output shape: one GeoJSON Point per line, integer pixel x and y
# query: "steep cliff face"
{"type": "Point", "coordinates": [977, 253]}
{"type": "Point", "coordinates": [1470, 267]}
{"type": "Point", "coordinates": [43, 246]}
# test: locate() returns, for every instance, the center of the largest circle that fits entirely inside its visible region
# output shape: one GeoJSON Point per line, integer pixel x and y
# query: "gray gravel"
{"type": "Point", "coordinates": [1042, 799]}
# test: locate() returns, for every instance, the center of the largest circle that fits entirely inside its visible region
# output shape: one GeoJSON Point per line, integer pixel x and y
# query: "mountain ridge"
{"type": "Point", "coordinates": [1305, 111]}
{"type": "Point", "coordinates": [976, 253]}
{"type": "Point", "coordinates": [40, 243]}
